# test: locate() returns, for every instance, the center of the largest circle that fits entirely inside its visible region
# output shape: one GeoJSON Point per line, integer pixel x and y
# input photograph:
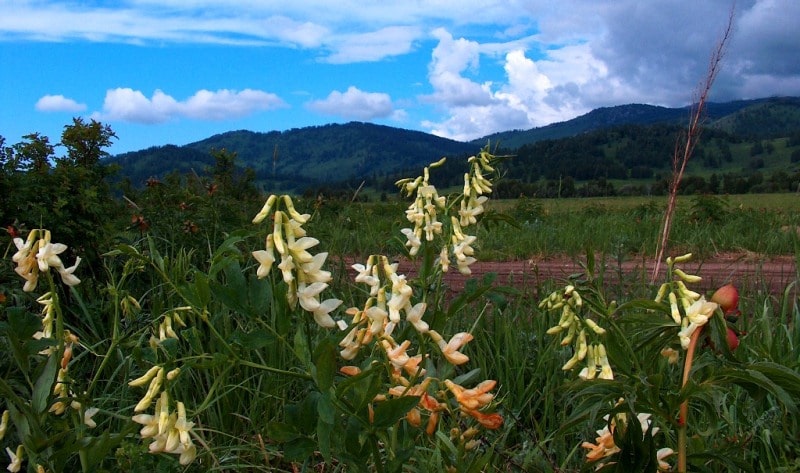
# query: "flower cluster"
{"type": "Point", "coordinates": [388, 305]}
{"type": "Point", "coordinates": [605, 446]}
{"type": "Point", "coordinates": [302, 272]}
{"type": "Point", "coordinates": [688, 309]}
{"type": "Point", "coordinates": [427, 206]}
{"type": "Point", "coordinates": [170, 431]}
{"type": "Point", "coordinates": [390, 298]}
{"type": "Point", "coordinates": [578, 329]}
{"type": "Point", "coordinates": [37, 254]}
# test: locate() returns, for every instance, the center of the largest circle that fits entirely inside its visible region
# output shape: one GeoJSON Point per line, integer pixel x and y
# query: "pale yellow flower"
{"type": "Point", "coordinates": [4, 424]}
{"type": "Point", "coordinates": [265, 258]}
{"type": "Point", "coordinates": [87, 417]}
{"type": "Point", "coordinates": [16, 459]}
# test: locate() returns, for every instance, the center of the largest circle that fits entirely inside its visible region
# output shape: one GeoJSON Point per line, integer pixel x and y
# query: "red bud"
{"type": "Point", "coordinates": [733, 340]}
{"type": "Point", "coordinates": [727, 297]}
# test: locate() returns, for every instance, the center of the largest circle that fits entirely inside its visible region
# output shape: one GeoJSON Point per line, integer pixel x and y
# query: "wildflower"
{"type": "Point", "coordinates": [322, 313]}
{"type": "Point", "coordinates": [670, 354]}
{"type": "Point", "coordinates": [401, 295]}
{"type": "Point", "coordinates": [265, 258]}
{"type": "Point", "coordinates": [412, 241]}
{"type": "Point", "coordinates": [414, 316]}
{"type": "Point", "coordinates": [605, 445]}
{"type": "Point", "coordinates": [450, 349]}
{"type": "Point", "coordinates": [87, 417]}
{"type": "Point", "coordinates": [4, 424]}
{"type": "Point", "coordinates": [16, 459]}
{"type": "Point", "coordinates": [471, 400]}
{"type": "Point", "coordinates": [696, 315]}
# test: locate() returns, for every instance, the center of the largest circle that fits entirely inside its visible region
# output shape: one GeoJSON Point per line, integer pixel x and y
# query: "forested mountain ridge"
{"type": "Point", "coordinates": [623, 142]}
{"type": "Point", "coordinates": [304, 157]}
{"type": "Point", "coordinates": [636, 114]}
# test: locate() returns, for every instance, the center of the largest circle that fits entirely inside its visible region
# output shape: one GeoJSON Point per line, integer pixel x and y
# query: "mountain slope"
{"type": "Point", "coordinates": [606, 117]}
{"type": "Point", "coordinates": [330, 155]}
{"type": "Point", "coordinates": [299, 158]}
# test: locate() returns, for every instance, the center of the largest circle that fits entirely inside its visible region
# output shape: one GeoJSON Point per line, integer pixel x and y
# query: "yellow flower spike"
{"type": "Point", "coordinates": [690, 278]}
{"type": "Point", "coordinates": [554, 330]}
{"type": "Point", "coordinates": [595, 328]}
{"type": "Point", "coordinates": [16, 459]}
{"type": "Point", "coordinates": [570, 335]}
{"type": "Point", "coordinates": [583, 347]}
{"type": "Point", "coordinates": [576, 299]}
{"type": "Point", "coordinates": [4, 424]}
{"type": "Point", "coordinates": [300, 218]}
{"type": "Point", "coordinates": [674, 311]}
{"type": "Point", "coordinates": [567, 316]}
{"type": "Point", "coordinates": [662, 291]}
{"type": "Point", "coordinates": [277, 233]}
{"type": "Point", "coordinates": [571, 362]}
{"type": "Point", "coordinates": [264, 212]}
{"type": "Point", "coordinates": [163, 414]}
{"type": "Point", "coordinates": [145, 378]}
{"type": "Point", "coordinates": [605, 367]}
{"type": "Point", "coordinates": [686, 292]}
{"type": "Point", "coordinates": [438, 163]}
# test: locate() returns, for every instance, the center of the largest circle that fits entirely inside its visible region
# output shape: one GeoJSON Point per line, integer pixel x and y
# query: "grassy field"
{"type": "Point", "coordinates": [616, 226]}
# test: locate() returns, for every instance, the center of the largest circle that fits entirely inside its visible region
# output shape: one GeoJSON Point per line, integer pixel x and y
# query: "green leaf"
{"type": "Point", "coordinates": [253, 340]}
{"type": "Point", "coordinates": [44, 385]}
{"type": "Point", "coordinates": [325, 364]}
{"type": "Point", "coordinates": [391, 411]}
{"type": "Point", "coordinates": [282, 432]}
{"type": "Point", "coordinates": [325, 409]}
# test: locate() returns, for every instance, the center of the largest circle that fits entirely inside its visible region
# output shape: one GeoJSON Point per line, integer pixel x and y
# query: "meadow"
{"type": "Point", "coordinates": [217, 333]}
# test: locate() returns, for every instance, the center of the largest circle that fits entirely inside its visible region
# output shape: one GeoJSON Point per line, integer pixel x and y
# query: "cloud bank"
{"type": "Point", "coordinates": [125, 104]}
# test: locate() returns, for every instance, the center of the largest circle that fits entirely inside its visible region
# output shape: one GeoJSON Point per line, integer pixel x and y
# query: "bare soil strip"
{"type": "Point", "coordinates": [772, 275]}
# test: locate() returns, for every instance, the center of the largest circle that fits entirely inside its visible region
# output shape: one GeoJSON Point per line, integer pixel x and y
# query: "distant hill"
{"type": "Point", "coordinates": [331, 155]}
{"type": "Point", "coordinates": [303, 157]}
{"type": "Point", "coordinates": [632, 114]}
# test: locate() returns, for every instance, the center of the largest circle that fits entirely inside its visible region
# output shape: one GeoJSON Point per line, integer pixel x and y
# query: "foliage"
{"type": "Point", "coordinates": [198, 341]}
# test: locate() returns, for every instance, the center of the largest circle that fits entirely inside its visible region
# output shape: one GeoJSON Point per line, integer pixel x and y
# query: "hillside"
{"type": "Point", "coordinates": [623, 142]}
{"type": "Point", "coordinates": [299, 158]}
{"type": "Point", "coordinates": [632, 114]}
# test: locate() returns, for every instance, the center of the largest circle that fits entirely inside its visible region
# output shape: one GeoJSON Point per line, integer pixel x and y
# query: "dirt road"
{"type": "Point", "coordinates": [748, 272]}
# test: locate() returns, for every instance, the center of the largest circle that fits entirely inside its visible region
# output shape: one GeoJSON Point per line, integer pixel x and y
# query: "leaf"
{"type": "Point", "coordinates": [389, 412]}
{"type": "Point", "coordinates": [282, 432]}
{"type": "Point", "coordinates": [325, 364]}
{"type": "Point", "coordinates": [253, 340]}
{"type": "Point", "coordinates": [44, 385]}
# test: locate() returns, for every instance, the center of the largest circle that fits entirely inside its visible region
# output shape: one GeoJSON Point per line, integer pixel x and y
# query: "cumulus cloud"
{"type": "Point", "coordinates": [534, 93]}
{"type": "Point", "coordinates": [58, 103]}
{"type": "Point", "coordinates": [355, 104]}
{"type": "Point", "coordinates": [125, 104]}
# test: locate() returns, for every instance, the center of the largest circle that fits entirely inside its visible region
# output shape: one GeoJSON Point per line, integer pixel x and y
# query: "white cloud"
{"type": "Point", "coordinates": [451, 57]}
{"type": "Point", "coordinates": [356, 104]}
{"type": "Point", "coordinates": [374, 45]}
{"type": "Point", "coordinates": [125, 104]}
{"type": "Point", "coordinates": [534, 93]}
{"type": "Point", "coordinates": [58, 103]}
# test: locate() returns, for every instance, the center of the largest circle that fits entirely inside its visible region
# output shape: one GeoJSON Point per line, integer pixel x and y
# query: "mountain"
{"type": "Point", "coordinates": [303, 157]}
{"type": "Point", "coordinates": [331, 155]}
{"type": "Point", "coordinates": [632, 114]}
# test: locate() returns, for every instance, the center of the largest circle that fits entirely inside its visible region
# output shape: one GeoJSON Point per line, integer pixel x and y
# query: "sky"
{"type": "Point", "coordinates": [177, 71]}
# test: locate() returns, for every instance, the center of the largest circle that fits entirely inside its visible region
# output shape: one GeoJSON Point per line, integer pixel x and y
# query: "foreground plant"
{"type": "Point", "coordinates": [401, 374]}
{"type": "Point", "coordinates": [631, 353]}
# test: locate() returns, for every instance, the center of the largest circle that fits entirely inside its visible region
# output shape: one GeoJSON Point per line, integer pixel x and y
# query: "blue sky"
{"type": "Point", "coordinates": [177, 71]}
